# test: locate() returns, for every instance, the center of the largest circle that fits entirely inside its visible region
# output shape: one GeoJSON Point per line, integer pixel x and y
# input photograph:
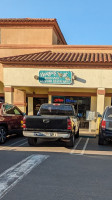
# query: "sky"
{"type": "Point", "coordinates": [82, 22]}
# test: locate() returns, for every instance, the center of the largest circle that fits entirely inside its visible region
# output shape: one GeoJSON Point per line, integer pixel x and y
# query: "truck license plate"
{"type": "Point", "coordinates": [39, 134]}
{"type": "Point", "coordinates": [44, 134]}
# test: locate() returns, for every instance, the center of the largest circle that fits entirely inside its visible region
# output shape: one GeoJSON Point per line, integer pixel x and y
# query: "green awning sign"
{"type": "Point", "coordinates": [55, 77]}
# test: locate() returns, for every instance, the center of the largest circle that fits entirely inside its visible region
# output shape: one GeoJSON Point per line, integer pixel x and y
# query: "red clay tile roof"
{"type": "Point", "coordinates": [59, 58]}
{"type": "Point", "coordinates": [33, 22]}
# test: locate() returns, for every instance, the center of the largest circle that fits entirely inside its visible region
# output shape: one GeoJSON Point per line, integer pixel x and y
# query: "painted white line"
{"type": "Point", "coordinates": [10, 177]}
{"type": "Point", "coordinates": [23, 144]}
{"type": "Point", "coordinates": [9, 149]}
{"type": "Point", "coordinates": [73, 150]}
{"type": "Point", "coordinates": [84, 148]}
{"type": "Point", "coordinates": [17, 142]}
{"type": "Point", "coordinates": [5, 147]}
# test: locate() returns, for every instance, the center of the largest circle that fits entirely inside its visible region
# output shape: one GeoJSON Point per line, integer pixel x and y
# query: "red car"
{"type": "Point", "coordinates": [10, 120]}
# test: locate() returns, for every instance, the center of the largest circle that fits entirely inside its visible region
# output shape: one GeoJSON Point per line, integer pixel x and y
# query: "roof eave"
{"type": "Point", "coordinates": [56, 63]}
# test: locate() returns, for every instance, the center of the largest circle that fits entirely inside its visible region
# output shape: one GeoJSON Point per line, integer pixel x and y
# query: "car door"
{"type": "Point", "coordinates": [18, 116]}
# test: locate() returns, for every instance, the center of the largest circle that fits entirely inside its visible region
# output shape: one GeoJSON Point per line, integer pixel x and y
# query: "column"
{"type": "Point", "coordinates": [100, 104]}
{"type": "Point", "coordinates": [20, 99]}
{"type": "Point", "coordinates": [30, 105]}
{"type": "Point", "coordinates": [93, 109]}
{"type": "Point", "coordinates": [100, 100]}
{"type": "Point", "coordinates": [49, 98]}
{"type": "Point", "coordinates": [8, 94]}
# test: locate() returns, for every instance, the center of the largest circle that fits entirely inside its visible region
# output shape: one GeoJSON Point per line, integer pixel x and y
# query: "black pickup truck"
{"type": "Point", "coordinates": [53, 121]}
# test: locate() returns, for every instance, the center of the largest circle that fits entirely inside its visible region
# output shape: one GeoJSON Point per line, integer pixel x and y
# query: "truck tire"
{"type": "Point", "coordinates": [71, 141]}
{"type": "Point", "coordinates": [77, 134]}
{"type": "Point", "coordinates": [3, 134]}
{"type": "Point", "coordinates": [32, 141]}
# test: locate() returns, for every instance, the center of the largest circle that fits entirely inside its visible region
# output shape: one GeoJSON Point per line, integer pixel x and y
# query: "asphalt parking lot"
{"type": "Point", "coordinates": [52, 171]}
{"type": "Point", "coordinates": [83, 146]}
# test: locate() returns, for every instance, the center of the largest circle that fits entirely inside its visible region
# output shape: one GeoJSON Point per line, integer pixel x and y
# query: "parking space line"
{"type": "Point", "coordinates": [5, 147]}
{"type": "Point", "coordinates": [73, 150]}
{"type": "Point", "coordinates": [17, 142]}
{"type": "Point", "coordinates": [10, 177]}
{"type": "Point", "coordinates": [84, 148]}
{"type": "Point", "coordinates": [22, 144]}
{"type": "Point", "coordinates": [13, 148]}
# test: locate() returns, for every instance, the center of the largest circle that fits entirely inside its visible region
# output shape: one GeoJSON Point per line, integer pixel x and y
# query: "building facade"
{"type": "Point", "coordinates": [37, 66]}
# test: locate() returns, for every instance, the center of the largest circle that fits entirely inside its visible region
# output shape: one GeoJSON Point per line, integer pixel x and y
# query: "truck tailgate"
{"type": "Point", "coordinates": [46, 122]}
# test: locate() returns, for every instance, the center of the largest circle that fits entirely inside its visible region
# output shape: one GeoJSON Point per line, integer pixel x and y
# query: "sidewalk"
{"type": "Point", "coordinates": [86, 133]}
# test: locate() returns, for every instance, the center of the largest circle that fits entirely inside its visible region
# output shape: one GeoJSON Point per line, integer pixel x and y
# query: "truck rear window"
{"type": "Point", "coordinates": [66, 110]}
{"type": "Point", "coordinates": [108, 114]}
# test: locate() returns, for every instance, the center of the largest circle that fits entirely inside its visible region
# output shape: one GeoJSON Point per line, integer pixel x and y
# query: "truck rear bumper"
{"type": "Point", "coordinates": [46, 134]}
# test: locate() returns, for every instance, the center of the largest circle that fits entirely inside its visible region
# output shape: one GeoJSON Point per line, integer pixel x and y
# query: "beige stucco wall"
{"type": "Point", "coordinates": [86, 78]}
{"type": "Point", "coordinates": [19, 96]}
{"type": "Point", "coordinates": [26, 36]}
{"type": "Point", "coordinates": [72, 89]}
{"type": "Point", "coordinates": [54, 38]}
{"type": "Point", "coordinates": [9, 97]}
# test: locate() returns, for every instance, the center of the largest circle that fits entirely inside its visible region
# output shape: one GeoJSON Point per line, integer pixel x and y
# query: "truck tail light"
{"type": "Point", "coordinates": [69, 124]}
{"type": "Point", "coordinates": [103, 124]}
{"type": "Point", "coordinates": [24, 122]}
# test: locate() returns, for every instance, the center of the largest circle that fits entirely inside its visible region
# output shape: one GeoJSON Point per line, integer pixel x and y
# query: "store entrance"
{"type": "Point", "coordinates": [37, 102]}
{"type": "Point", "coordinates": [81, 105]}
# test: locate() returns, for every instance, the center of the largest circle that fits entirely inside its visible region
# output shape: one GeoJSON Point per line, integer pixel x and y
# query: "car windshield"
{"type": "Point", "coordinates": [66, 110]}
{"type": "Point", "coordinates": [109, 114]}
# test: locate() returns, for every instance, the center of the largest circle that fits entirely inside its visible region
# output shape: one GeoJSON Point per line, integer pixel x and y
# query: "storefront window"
{"type": "Point", "coordinates": [2, 99]}
{"type": "Point", "coordinates": [58, 99]}
{"type": "Point", "coordinates": [37, 102]}
{"type": "Point", "coordinates": [81, 105]}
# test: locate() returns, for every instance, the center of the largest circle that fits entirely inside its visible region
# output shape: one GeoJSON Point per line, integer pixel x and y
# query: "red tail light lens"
{"type": "Point", "coordinates": [69, 124]}
{"type": "Point", "coordinates": [24, 122]}
{"type": "Point", "coordinates": [103, 124]}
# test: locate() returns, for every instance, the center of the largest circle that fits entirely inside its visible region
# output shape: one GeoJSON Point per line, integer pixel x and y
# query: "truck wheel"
{"type": "Point", "coordinates": [3, 133]}
{"type": "Point", "coordinates": [77, 134]}
{"type": "Point", "coordinates": [32, 141]}
{"type": "Point", "coordinates": [101, 140]}
{"type": "Point", "coordinates": [71, 142]}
